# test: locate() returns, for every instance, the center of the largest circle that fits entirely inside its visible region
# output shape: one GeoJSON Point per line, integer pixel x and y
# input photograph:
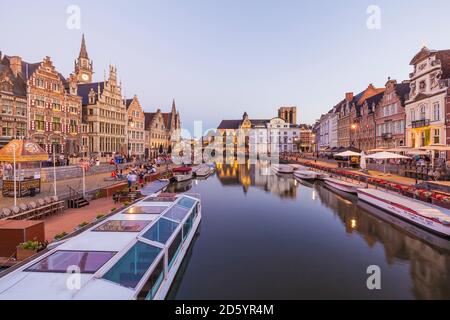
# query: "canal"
{"type": "Point", "coordinates": [269, 237]}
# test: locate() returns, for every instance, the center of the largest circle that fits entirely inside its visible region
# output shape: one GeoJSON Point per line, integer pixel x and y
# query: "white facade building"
{"type": "Point", "coordinates": [425, 107]}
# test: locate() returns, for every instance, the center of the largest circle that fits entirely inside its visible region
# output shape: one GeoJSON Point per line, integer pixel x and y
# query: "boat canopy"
{"type": "Point", "coordinates": [182, 170]}
{"type": "Point", "coordinates": [126, 256]}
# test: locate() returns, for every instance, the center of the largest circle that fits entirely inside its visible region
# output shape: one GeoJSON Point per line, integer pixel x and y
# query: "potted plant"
{"type": "Point", "coordinates": [61, 235]}
{"type": "Point", "coordinates": [100, 217]}
{"type": "Point", "coordinates": [423, 195]}
{"type": "Point", "coordinates": [441, 200]}
{"type": "Point", "coordinates": [28, 249]}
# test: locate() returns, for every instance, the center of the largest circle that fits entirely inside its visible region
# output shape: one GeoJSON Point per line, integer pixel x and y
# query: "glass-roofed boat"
{"type": "Point", "coordinates": [132, 255]}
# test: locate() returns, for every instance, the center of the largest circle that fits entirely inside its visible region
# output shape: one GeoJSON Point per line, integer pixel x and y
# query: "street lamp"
{"type": "Point", "coordinates": [130, 125]}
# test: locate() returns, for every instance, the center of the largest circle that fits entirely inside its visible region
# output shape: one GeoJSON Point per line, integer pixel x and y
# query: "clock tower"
{"type": "Point", "coordinates": [84, 68]}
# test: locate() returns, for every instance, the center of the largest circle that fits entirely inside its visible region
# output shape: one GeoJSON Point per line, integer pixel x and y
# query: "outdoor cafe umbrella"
{"type": "Point", "coordinates": [435, 147]}
{"type": "Point", "coordinates": [386, 156]}
{"type": "Point", "coordinates": [348, 154]}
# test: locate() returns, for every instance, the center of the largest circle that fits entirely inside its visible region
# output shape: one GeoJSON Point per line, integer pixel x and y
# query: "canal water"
{"type": "Point", "coordinates": [272, 237]}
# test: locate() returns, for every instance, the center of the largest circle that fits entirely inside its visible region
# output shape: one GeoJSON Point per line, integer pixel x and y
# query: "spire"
{"type": "Point", "coordinates": [174, 107]}
{"type": "Point", "coordinates": [83, 50]}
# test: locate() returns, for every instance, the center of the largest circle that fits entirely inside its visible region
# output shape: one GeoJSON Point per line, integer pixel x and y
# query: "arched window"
{"type": "Point", "coordinates": [422, 112]}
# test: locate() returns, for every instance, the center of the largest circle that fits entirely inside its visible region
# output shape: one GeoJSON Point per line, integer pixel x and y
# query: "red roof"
{"type": "Point", "coordinates": [182, 170]}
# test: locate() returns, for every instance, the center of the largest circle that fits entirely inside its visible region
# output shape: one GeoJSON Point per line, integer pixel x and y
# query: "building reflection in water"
{"type": "Point", "coordinates": [428, 255]}
{"type": "Point", "coordinates": [262, 176]}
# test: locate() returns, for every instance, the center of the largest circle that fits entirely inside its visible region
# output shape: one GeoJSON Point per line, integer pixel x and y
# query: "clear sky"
{"type": "Point", "coordinates": [220, 58]}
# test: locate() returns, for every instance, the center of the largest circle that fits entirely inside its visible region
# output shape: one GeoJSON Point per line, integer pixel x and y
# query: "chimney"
{"type": "Point", "coordinates": [15, 63]}
{"type": "Point", "coordinates": [349, 96]}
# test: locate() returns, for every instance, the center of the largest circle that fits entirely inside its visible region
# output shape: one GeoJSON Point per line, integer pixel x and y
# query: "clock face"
{"type": "Point", "coordinates": [85, 77]}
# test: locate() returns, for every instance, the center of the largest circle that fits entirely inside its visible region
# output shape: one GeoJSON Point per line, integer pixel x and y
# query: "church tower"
{"type": "Point", "coordinates": [84, 69]}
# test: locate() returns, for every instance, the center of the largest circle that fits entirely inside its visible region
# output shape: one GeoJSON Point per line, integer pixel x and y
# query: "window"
{"type": "Point", "coordinates": [7, 129]}
{"type": "Point", "coordinates": [412, 115]}
{"type": "Point", "coordinates": [21, 129]}
{"type": "Point", "coordinates": [153, 283]}
{"type": "Point", "coordinates": [436, 112]}
{"type": "Point", "coordinates": [56, 124]}
{"type": "Point", "coordinates": [161, 231]}
{"type": "Point", "coordinates": [174, 249]}
{"type": "Point", "coordinates": [39, 122]}
{"type": "Point", "coordinates": [59, 262]}
{"type": "Point", "coordinates": [40, 83]}
{"type": "Point", "coordinates": [73, 126]}
{"type": "Point", "coordinates": [130, 269]}
{"type": "Point", "coordinates": [422, 113]}
{"type": "Point", "coordinates": [122, 226]}
{"type": "Point", "coordinates": [436, 137]}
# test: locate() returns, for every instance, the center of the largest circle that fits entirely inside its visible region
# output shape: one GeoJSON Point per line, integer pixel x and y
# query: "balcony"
{"type": "Point", "coordinates": [420, 123]}
{"type": "Point", "coordinates": [386, 136]}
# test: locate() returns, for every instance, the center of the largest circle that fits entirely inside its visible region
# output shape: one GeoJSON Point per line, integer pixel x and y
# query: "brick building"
{"type": "Point", "coordinates": [104, 110]}
{"type": "Point", "coordinates": [136, 128]}
{"type": "Point", "coordinates": [54, 109]}
{"type": "Point", "coordinates": [13, 102]}
{"type": "Point", "coordinates": [390, 115]}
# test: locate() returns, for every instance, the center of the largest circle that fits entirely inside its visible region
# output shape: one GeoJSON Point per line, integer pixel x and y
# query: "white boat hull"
{"type": "Point", "coordinates": [341, 185]}
{"type": "Point", "coordinates": [283, 169]}
{"type": "Point", "coordinates": [183, 177]}
{"type": "Point", "coordinates": [306, 175]}
{"type": "Point", "coordinates": [406, 213]}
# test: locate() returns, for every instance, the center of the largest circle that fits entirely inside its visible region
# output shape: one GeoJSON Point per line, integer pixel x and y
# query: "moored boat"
{"type": "Point", "coordinates": [305, 174]}
{"type": "Point", "coordinates": [430, 217]}
{"type": "Point", "coordinates": [203, 171]}
{"type": "Point", "coordinates": [298, 167]}
{"type": "Point", "coordinates": [342, 185]}
{"type": "Point", "coordinates": [283, 168]}
{"type": "Point", "coordinates": [182, 174]}
{"type": "Point", "coordinates": [134, 254]}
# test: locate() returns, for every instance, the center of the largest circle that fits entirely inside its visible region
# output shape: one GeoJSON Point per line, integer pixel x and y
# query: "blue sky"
{"type": "Point", "coordinates": [220, 58]}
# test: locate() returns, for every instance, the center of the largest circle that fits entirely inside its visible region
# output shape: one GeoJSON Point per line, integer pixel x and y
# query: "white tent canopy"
{"type": "Point", "coordinates": [347, 154]}
{"type": "Point", "coordinates": [436, 147]}
{"type": "Point", "coordinates": [386, 156]}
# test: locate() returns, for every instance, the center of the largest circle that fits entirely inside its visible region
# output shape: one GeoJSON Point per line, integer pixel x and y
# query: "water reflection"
{"type": "Point", "coordinates": [261, 176]}
{"type": "Point", "coordinates": [323, 240]}
{"type": "Point", "coordinates": [428, 254]}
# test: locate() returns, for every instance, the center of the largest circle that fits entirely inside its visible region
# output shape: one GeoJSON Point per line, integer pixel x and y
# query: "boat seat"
{"type": "Point", "coordinates": [15, 210]}
{"type": "Point", "coordinates": [23, 207]}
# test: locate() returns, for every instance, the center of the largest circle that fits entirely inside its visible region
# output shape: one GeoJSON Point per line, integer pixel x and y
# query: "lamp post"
{"type": "Point", "coordinates": [130, 125]}
{"type": "Point", "coordinates": [353, 128]}
{"type": "Point", "coordinates": [15, 175]}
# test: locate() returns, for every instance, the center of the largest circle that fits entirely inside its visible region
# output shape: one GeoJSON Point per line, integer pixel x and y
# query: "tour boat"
{"type": "Point", "coordinates": [182, 174]}
{"type": "Point", "coordinates": [305, 174]}
{"type": "Point", "coordinates": [430, 217]}
{"type": "Point", "coordinates": [283, 168]}
{"type": "Point", "coordinates": [203, 171]}
{"type": "Point", "coordinates": [134, 254]}
{"type": "Point", "coordinates": [342, 185]}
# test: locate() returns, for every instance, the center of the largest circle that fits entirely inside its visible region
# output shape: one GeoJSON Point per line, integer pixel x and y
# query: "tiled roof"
{"type": "Point", "coordinates": [149, 118]}
{"type": "Point", "coordinates": [19, 84]}
{"type": "Point", "coordinates": [85, 88]}
{"type": "Point", "coordinates": [230, 124]}
{"type": "Point", "coordinates": [402, 90]}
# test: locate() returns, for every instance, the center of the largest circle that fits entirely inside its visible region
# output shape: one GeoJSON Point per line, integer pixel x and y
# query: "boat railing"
{"type": "Point", "coordinates": [194, 195]}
